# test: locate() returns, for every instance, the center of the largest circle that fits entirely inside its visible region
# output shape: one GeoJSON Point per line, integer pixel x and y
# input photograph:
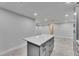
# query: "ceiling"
{"type": "Point", "coordinates": [52, 11]}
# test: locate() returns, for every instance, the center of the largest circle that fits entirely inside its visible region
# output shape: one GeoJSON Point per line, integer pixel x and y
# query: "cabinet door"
{"type": "Point", "coordinates": [51, 46]}
{"type": "Point", "coordinates": [47, 49]}
{"type": "Point", "coordinates": [44, 49]}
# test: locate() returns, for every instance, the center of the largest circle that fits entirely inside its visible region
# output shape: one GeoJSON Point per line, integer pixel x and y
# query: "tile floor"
{"type": "Point", "coordinates": [63, 47]}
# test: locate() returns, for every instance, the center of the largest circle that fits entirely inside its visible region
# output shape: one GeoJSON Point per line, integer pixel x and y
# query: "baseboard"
{"type": "Point", "coordinates": [14, 48]}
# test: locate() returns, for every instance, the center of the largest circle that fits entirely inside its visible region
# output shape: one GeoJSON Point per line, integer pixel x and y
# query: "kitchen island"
{"type": "Point", "coordinates": [40, 45]}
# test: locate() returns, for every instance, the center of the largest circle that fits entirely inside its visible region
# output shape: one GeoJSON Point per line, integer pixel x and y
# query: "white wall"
{"type": "Point", "coordinates": [13, 29]}
{"type": "Point", "coordinates": [64, 30]}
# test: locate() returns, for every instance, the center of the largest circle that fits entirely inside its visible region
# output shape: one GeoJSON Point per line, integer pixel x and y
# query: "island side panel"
{"type": "Point", "coordinates": [32, 49]}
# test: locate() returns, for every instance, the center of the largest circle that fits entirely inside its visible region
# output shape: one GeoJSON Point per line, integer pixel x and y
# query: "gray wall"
{"type": "Point", "coordinates": [61, 30]}
{"type": "Point", "coordinates": [64, 30]}
{"type": "Point", "coordinates": [42, 29]}
{"type": "Point", "coordinates": [13, 29]}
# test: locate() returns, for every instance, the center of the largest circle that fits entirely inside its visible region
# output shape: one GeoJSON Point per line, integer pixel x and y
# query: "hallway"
{"type": "Point", "coordinates": [63, 47]}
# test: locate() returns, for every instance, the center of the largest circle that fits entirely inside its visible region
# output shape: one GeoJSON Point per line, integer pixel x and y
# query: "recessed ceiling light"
{"type": "Point", "coordinates": [66, 15]}
{"type": "Point", "coordinates": [75, 13]}
{"type": "Point", "coordinates": [35, 14]}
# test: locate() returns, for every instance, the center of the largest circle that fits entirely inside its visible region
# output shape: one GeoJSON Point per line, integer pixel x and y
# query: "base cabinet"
{"type": "Point", "coordinates": [43, 50]}
{"type": "Point", "coordinates": [32, 49]}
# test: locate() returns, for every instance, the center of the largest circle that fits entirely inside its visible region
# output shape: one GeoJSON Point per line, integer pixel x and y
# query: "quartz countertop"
{"type": "Point", "coordinates": [39, 39]}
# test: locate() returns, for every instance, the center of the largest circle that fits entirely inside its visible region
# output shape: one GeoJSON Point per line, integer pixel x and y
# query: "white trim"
{"type": "Point", "coordinates": [14, 48]}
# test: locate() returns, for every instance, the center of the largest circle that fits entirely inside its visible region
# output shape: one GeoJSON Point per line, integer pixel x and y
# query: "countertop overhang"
{"type": "Point", "coordinates": [39, 39]}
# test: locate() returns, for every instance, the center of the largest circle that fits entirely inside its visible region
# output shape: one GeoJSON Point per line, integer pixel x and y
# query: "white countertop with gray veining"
{"type": "Point", "coordinates": [39, 39]}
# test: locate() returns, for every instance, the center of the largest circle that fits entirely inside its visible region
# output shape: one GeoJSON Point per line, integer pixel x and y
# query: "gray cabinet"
{"type": "Point", "coordinates": [32, 49]}
{"type": "Point", "coordinates": [43, 50]}
{"type": "Point", "coordinates": [45, 47]}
